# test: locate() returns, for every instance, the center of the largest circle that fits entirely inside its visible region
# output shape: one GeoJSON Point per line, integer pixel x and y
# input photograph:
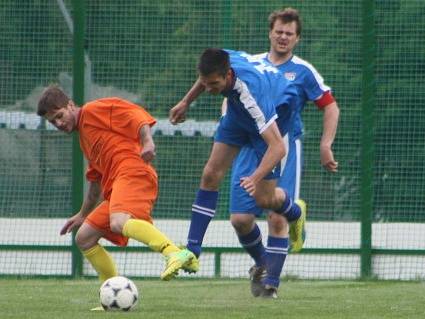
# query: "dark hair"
{"type": "Point", "coordinates": [214, 61]}
{"type": "Point", "coordinates": [286, 15]}
{"type": "Point", "coordinates": [52, 98]}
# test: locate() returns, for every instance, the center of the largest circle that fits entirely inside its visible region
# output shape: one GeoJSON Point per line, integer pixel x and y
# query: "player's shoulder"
{"type": "Point", "coordinates": [236, 55]}
{"type": "Point", "coordinates": [108, 102]}
{"type": "Point", "coordinates": [260, 56]}
{"type": "Point", "coordinates": [90, 105]}
{"type": "Point", "coordinates": [247, 70]}
{"type": "Point", "coordinates": [242, 64]}
{"type": "Point", "coordinates": [101, 105]}
{"type": "Point", "coordinates": [303, 64]}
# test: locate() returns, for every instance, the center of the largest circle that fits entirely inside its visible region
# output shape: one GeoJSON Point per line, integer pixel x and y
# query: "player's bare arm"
{"type": "Point", "coordinates": [178, 112]}
{"type": "Point", "coordinates": [330, 124]}
{"type": "Point", "coordinates": [148, 152]}
{"type": "Point", "coordinates": [274, 153]}
{"type": "Point", "coordinates": [224, 106]}
{"type": "Point", "coordinates": [90, 202]}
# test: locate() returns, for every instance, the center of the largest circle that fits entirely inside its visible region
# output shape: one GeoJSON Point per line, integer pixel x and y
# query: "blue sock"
{"type": "Point", "coordinates": [203, 210]}
{"type": "Point", "coordinates": [276, 251]}
{"type": "Point", "coordinates": [252, 243]}
{"type": "Point", "coordinates": [289, 209]}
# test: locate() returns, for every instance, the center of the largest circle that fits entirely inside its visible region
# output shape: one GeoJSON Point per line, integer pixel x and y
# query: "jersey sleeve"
{"type": "Point", "coordinates": [269, 110]}
{"type": "Point", "coordinates": [92, 175]}
{"type": "Point", "coordinates": [324, 100]}
{"type": "Point", "coordinates": [257, 102]}
{"type": "Point", "coordinates": [314, 85]}
{"type": "Point", "coordinates": [127, 118]}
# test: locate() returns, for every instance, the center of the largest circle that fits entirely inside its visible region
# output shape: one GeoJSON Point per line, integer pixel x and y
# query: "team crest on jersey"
{"type": "Point", "coordinates": [290, 76]}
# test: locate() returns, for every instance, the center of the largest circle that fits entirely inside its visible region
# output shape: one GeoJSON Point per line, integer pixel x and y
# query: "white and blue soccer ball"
{"type": "Point", "coordinates": [118, 293]}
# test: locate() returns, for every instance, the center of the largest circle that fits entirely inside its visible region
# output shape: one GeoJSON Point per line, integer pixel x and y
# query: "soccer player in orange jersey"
{"type": "Point", "coordinates": [115, 137]}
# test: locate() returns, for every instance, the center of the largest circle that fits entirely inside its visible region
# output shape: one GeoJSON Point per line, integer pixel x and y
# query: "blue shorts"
{"type": "Point", "coordinates": [231, 132]}
{"type": "Point", "coordinates": [244, 165]}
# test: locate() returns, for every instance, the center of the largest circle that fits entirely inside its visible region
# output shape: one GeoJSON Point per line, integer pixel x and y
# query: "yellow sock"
{"type": "Point", "coordinates": [148, 234]}
{"type": "Point", "coordinates": [101, 261]}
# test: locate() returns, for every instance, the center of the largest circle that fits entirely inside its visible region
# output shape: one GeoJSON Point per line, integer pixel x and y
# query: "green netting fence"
{"type": "Point", "coordinates": [365, 221]}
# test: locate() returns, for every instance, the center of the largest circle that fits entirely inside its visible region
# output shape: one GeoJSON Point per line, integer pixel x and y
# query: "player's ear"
{"type": "Point", "coordinates": [71, 104]}
{"type": "Point", "coordinates": [229, 73]}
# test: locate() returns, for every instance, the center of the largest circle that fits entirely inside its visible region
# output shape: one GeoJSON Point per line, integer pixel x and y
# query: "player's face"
{"type": "Point", "coordinates": [64, 119]}
{"type": "Point", "coordinates": [283, 37]}
{"type": "Point", "coordinates": [214, 83]}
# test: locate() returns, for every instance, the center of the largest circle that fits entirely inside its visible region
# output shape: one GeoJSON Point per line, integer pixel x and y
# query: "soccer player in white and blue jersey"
{"type": "Point", "coordinates": [284, 34]}
{"type": "Point", "coordinates": [257, 96]}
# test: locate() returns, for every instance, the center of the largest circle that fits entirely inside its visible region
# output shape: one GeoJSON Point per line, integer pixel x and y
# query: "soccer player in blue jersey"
{"type": "Point", "coordinates": [259, 107]}
{"type": "Point", "coordinates": [284, 34]}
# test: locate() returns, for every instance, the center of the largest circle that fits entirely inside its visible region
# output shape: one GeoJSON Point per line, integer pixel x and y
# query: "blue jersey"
{"type": "Point", "coordinates": [309, 84]}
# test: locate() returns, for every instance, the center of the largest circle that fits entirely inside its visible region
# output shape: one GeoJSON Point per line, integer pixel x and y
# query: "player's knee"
{"type": "Point", "coordinates": [211, 178]}
{"type": "Point", "coordinates": [242, 223]}
{"type": "Point", "coordinates": [84, 241]}
{"type": "Point", "coordinates": [117, 221]}
{"type": "Point", "coordinates": [79, 240]}
{"type": "Point", "coordinates": [277, 223]}
{"type": "Point", "coordinates": [116, 225]}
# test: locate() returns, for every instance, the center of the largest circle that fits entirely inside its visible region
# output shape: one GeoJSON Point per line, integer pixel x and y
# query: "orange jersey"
{"type": "Point", "coordinates": [109, 138]}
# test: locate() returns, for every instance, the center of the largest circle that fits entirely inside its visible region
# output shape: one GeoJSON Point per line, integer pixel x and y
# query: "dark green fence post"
{"type": "Point", "coordinates": [227, 24]}
{"type": "Point", "coordinates": [366, 141]}
{"type": "Point", "coordinates": [217, 264]}
{"type": "Point", "coordinates": [78, 97]}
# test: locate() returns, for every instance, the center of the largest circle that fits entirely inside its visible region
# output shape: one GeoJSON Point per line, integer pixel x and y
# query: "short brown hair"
{"type": "Point", "coordinates": [52, 98]}
{"type": "Point", "coordinates": [214, 60]}
{"type": "Point", "coordinates": [286, 15]}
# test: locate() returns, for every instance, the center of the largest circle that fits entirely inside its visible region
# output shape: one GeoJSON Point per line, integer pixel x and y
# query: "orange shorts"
{"type": "Point", "coordinates": [134, 194]}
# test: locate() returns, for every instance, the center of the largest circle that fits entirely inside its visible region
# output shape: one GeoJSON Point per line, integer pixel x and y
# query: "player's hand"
{"type": "Point", "coordinates": [248, 184]}
{"type": "Point", "coordinates": [74, 222]}
{"type": "Point", "coordinates": [327, 159]}
{"type": "Point", "coordinates": [178, 113]}
{"type": "Point", "coordinates": [148, 152]}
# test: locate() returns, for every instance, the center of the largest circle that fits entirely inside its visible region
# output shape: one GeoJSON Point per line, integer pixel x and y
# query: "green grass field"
{"type": "Point", "coordinates": [51, 298]}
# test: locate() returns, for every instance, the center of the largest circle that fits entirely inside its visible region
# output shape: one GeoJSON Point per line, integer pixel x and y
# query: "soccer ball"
{"type": "Point", "coordinates": [118, 293]}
